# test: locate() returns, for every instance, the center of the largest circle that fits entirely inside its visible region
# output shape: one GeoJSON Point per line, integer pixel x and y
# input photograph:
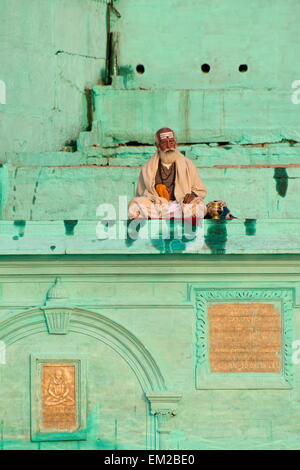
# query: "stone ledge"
{"type": "Point", "coordinates": [247, 236]}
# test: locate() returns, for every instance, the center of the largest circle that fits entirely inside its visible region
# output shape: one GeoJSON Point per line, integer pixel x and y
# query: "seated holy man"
{"type": "Point", "coordinates": [169, 184]}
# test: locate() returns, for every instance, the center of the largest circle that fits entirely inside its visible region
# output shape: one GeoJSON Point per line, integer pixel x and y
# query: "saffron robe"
{"type": "Point", "coordinates": [187, 180]}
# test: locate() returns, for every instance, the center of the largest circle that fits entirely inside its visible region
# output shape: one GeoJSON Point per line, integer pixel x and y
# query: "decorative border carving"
{"type": "Point", "coordinates": [207, 380]}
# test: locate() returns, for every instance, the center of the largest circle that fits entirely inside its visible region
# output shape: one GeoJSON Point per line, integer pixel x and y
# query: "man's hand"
{"type": "Point", "coordinates": [188, 198]}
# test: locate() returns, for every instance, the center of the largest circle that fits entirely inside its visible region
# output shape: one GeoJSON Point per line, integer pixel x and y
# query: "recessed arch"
{"type": "Point", "coordinates": [90, 323]}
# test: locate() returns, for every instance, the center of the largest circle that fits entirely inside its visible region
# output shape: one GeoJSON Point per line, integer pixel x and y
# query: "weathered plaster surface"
{"type": "Point", "coordinates": [131, 304]}
{"type": "Point", "coordinates": [50, 52]}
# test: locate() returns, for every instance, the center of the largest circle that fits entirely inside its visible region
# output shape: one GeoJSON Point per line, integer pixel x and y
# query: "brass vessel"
{"type": "Point", "coordinates": [215, 209]}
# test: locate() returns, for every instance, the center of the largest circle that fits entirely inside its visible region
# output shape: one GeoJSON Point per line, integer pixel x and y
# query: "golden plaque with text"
{"type": "Point", "coordinates": [59, 410]}
{"type": "Point", "coordinates": [244, 337]}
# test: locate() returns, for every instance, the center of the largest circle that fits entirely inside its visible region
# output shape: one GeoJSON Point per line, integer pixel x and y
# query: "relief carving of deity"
{"type": "Point", "coordinates": [58, 391]}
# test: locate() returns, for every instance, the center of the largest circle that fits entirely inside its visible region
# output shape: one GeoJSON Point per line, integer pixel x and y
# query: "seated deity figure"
{"type": "Point", "coordinates": [58, 391]}
{"type": "Point", "coordinates": [169, 184]}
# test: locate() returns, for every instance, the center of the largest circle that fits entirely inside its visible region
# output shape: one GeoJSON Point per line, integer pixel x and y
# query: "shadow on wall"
{"type": "Point", "coordinates": [282, 180]}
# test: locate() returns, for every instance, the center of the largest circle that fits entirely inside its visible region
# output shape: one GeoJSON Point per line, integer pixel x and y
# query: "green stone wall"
{"type": "Point", "coordinates": [240, 128]}
{"type": "Point", "coordinates": [51, 51]}
{"type": "Point", "coordinates": [135, 318]}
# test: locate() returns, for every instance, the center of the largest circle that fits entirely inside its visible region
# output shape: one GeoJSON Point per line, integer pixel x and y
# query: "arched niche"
{"type": "Point", "coordinates": [90, 323]}
{"type": "Point", "coordinates": [59, 322]}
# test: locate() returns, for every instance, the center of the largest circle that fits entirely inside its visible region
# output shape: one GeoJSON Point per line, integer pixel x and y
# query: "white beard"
{"type": "Point", "coordinates": [168, 157]}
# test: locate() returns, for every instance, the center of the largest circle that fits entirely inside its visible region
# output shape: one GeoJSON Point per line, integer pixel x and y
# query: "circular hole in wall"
{"type": "Point", "coordinates": [243, 68]}
{"type": "Point", "coordinates": [140, 68]}
{"type": "Point", "coordinates": [205, 68]}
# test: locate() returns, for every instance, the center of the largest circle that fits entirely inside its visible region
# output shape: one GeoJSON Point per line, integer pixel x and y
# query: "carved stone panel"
{"type": "Point", "coordinates": [244, 337]}
{"type": "Point", "coordinates": [59, 400]}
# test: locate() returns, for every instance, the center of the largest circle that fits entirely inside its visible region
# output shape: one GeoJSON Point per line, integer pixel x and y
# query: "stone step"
{"type": "Point", "coordinates": [76, 191]}
{"type": "Point", "coordinates": [236, 115]}
{"type": "Point", "coordinates": [203, 155]}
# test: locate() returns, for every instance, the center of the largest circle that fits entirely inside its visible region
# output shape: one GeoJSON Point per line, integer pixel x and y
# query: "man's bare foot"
{"type": "Point", "coordinates": [135, 216]}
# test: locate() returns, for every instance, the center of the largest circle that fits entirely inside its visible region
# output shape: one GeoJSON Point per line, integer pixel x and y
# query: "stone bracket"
{"type": "Point", "coordinates": [164, 406]}
{"type": "Point", "coordinates": [57, 320]}
{"type": "Point", "coordinates": [164, 402]}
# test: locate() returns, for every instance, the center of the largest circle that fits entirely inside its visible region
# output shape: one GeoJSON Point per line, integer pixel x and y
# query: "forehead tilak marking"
{"type": "Point", "coordinates": [164, 135]}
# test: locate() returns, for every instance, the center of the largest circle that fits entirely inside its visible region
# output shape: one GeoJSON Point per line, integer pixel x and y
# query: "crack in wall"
{"type": "Point", "coordinates": [210, 144]}
{"type": "Point", "coordinates": [69, 82]}
{"type": "Point", "coordinates": [79, 55]}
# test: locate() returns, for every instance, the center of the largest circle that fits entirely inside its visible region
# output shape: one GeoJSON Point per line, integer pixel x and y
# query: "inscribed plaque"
{"type": "Point", "coordinates": [244, 337]}
{"type": "Point", "coordinates": [59, 408]}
